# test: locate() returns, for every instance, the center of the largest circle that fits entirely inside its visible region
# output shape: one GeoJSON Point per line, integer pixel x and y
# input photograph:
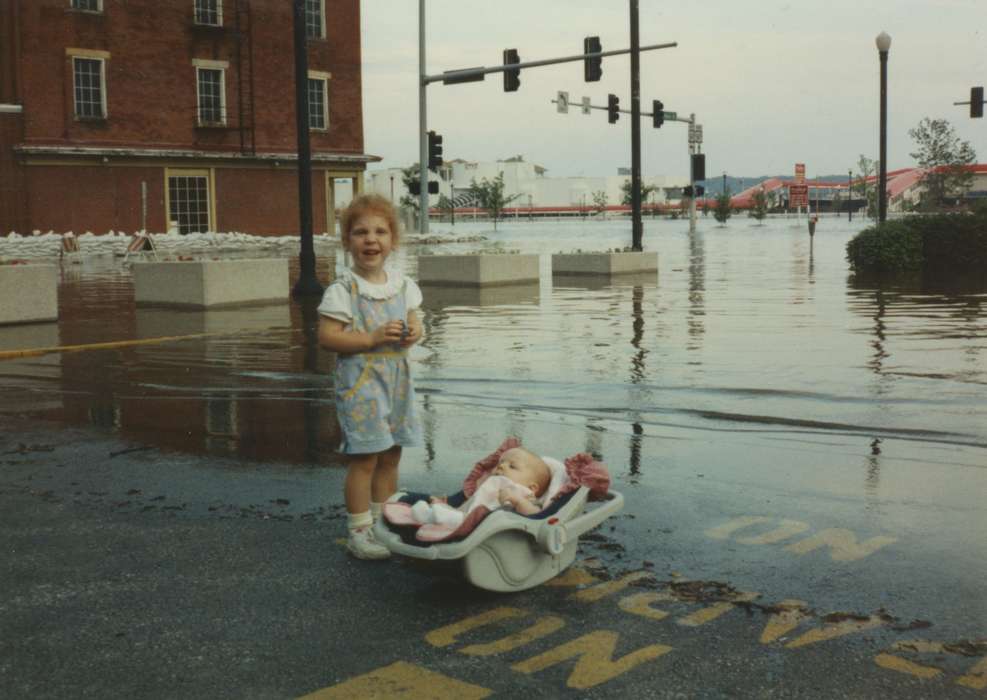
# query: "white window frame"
{"type": "Point", "coordinates": [207, 174]}
{"type": "Point", "coordinates": [322, 20]}
{"type": "Point", "coordinates": [220, 66]}
{"type": "Point", "coordinates": [99, 7]}
{"type": "Point", "coordinates": [219, 14]}
{"type": "Point", "coordinates": [90, 55]}
{"type": "Point", "coordinates": [323, 78]}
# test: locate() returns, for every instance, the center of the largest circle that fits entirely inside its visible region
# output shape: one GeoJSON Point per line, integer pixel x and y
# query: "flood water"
{"type": "Point", "coordinates": [749, 348]}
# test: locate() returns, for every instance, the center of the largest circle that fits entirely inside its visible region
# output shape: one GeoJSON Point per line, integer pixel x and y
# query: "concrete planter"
{"type": "Point", "coordinates": [211, 283]}
{"type": "Point", "coordinates": [477, 270]}
{"type": "Point", "coordinates": [28, 293]}
{"type": "Point", "coordinates": [604, 263]}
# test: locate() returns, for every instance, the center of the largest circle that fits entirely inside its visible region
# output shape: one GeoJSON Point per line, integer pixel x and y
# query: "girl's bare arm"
{"type": "Point", "coordinates": [334, 335]}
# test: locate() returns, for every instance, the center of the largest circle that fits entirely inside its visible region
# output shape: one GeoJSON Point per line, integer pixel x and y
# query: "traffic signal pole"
{"type": "Point", "coordinates": [637, 227]}
{"type": "Point", "coordinates": [422, 125]}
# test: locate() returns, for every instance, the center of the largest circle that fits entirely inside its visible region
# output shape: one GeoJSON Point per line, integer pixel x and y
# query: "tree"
{"type": "Point", "coordinates": [600, 201]}
{"type": "Point", "coordinates": [867, 190]}
{"type": "Point", "coordinates": [759, 205]}
{"type": "Point", "coordinates": [943, 156]}
{"type": "Point", "coordinates": [446, 206]}
{"type": "Point", "coordinates": [722, 211]}
{"type": "Point", "coordinates": [625, 192]}
{"type": "Point", "coordinates": [409, 176]}
{"type": "Point", "coordinates": [490, 195]}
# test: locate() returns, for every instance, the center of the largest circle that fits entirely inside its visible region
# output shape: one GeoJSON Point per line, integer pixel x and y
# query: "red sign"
{"type": "Point", "coordinates": [800, 173]}
{"type": "Point", "coordinates": [798, 196]}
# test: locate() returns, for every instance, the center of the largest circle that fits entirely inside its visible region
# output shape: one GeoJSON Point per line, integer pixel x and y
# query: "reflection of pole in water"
{"type": "Point", "coordinates": [873, 465]}
{"type": "Point", "coordinates": [637, 433]}
{"type": "Point", "coordinates": [637, 314]}
{"type": "Point", "coordinates": [428, 425]}
{"type": "Point", "coordinates": [697, 285]}
{"type": "Point", "coordinates": [309, 306]}
{"type": "Point", "coordinates": [877, 362]}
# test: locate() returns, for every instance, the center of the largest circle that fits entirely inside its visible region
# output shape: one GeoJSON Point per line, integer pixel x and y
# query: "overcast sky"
{"type": "Point", "coordinates": [773, 82]}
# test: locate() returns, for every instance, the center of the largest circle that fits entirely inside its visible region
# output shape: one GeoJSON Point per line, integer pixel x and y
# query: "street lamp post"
{"type": "Point", "coordinates": [883, 42]}
{"type": "Point", "coordinates": [849, 196]}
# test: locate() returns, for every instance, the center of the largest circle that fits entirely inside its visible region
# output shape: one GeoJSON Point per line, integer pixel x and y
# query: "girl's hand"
{"type": "Point", "coordinates": [414, 333]}
{"type": "Point", "coordinates": [390, 332]}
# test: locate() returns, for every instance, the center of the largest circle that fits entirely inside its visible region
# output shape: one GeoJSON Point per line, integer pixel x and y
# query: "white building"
{"type": "Point", "coordinates": [529, 181]}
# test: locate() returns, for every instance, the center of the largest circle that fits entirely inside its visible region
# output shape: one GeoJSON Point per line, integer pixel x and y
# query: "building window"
{"type": "Point", "coordinates": [315, 19]}
{"type": "Point", "coordinates": [209, 12]}
{"type": "Point", "coordinates": [90, 97]}
{"type": "Point", "coordinates": [88, 5]}
{"type": "Point", "coordinates": [188, 201]}
{"type": "Point", "coordinates": [212, 95]}
{"type": "Point", "coordinates": [318, 102]}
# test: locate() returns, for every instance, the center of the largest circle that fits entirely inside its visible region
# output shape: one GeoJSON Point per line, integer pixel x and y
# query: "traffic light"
{"type": "Point", "coordinates": [687, 191]}
{"type": "Point", "coordinates": [433, 187]}
{"type": "Point", "coordinates": [976, 102]}
{"type": "Point", "coordinates": [700, 190]}
{"type": "Point", "coordinates": [512, 78]}
{"type": "Point", "coordinates": [613, 108]}
{"type": "Point", "coordinates": [434, 151]}
{"type": "Point", "coordinates": [698, 167]}
{"type": "Point", "coordinates": [658, 113]}
{"type": "Point", "coordinates": [415, 187]}
{"type": "Point", "coordinates": [592, 67]}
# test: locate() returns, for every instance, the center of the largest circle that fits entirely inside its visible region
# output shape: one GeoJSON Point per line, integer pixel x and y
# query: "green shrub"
{"type": "Point", "coordinates": [893, 246]}
{"type": "Point", "coordinates": [953, 243]}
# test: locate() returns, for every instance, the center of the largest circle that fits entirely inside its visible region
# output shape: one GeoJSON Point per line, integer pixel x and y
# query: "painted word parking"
{"type": "Point", "coordinates": [594, 630]}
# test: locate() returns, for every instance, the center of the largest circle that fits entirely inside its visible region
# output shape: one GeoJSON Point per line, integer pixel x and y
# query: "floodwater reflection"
{"type": "Point", "coordinates": [744, 334]}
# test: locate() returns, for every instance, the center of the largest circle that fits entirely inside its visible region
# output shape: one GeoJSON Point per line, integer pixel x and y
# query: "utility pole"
{"type": "Point", "coordinates": [636, 224]}
{"type": "Point", "coordinates": [693, 149]}
{"type": "Point", "coordinates": [307, 284]}
{"type": "Point", "coordinates": [422, 125]}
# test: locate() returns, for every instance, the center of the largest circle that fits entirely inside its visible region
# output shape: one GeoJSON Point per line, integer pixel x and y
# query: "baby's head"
{"type": "Point", "coordinates": [364, 205]}
{"type": "Point", "coordinates": [525, 468]}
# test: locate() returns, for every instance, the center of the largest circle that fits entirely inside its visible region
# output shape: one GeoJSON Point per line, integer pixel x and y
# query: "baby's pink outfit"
{"type": "Point", "coordinates": [487, 495]}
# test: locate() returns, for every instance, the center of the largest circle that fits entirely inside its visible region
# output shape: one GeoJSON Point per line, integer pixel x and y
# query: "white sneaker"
{"type": "Point", "coordinates": [362, 545]}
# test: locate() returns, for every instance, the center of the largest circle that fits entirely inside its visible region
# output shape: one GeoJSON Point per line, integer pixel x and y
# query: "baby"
{"type": "Point", "coordinates": [518, 481]}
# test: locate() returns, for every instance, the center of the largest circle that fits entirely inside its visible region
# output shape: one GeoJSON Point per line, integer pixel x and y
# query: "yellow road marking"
{"type": "Point", "coordinates": [780, 624]}
{"type": "Point", "coordinates": [786, 530]}
{"type": "Point", "coordinates": [401, 680]}
{"type": "Point", "coordinates": [640, 604]}
{"type": "Point", "coordinates": [37, 352]}
{"type": "Point", "coordinates": [701, 617]}
{"type": "Point", "coordinates": [574, 576]}
{"type": "Point", "coordinates": [843, 544]}
{"type": "Point", "coordinates": [721, 532]}
{"type": "Point", "coordinates": [896, 663]}
{"type": "Point", "coordinates": [594, 659]}
{"type": "Point", "coordinates": [590, 595]}
{"type": "Point", "coordinates": [542, 628]}
{"type": "Point", "coordinates": [976, 677]}
{"type": "Point", "coordinates": [444, 636]}
{"type": "Point", "coordinates": [838, 629]}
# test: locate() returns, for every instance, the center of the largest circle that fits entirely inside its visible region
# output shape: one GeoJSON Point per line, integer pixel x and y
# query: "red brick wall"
{"type": "Point", "coordinates": [13, 216]}
{"type": "Point", "coordinates": [265, 201]}
{"type": "Point", "coordinates": [151, 90]}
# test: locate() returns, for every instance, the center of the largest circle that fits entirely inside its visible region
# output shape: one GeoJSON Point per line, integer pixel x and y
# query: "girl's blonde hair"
{"type": "Point", "coordinates": [372, 204]}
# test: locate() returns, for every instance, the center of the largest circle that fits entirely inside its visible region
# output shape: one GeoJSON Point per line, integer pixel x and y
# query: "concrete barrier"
{"type": "Point", "coordinates": [477, 270]}
{"type": "Point", "coordinates": [28, 293]}
{"type": "Point", "coordinates": [604, 263]}
{"type": "Point", "coordinates": [210, 283]}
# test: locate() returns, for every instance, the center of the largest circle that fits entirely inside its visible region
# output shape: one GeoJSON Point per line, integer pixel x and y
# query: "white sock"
{"type": "Point", "coordinates": [358, 521]}
{"type": "Point", "coordinates": [375, 510]}
{"type": "Point", "coordinates": [447, 515]}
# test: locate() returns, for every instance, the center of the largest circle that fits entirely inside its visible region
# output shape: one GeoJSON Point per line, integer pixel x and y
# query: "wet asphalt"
{"type": "Point", "coordinates": [127, 573]}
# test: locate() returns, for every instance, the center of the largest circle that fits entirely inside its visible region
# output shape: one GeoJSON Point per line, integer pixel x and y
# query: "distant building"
{"type": "Point", "coordinates": [173, 114]}
{"type": "Point", "coordinates": [530, 182]}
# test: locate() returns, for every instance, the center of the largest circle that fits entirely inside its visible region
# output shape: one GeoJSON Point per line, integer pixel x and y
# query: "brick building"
{"type": "Point", "coordinates": [161, 114]}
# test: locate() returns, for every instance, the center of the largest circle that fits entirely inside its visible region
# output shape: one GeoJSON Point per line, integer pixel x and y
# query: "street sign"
{"type": "Point", "coordinates": [562, 102]}
{"type": "Point", "coordinates": [800, 173]}
{"type": "Point", "coordinates": [798, 195]}
{"type": "Point", "coordinates": [670, 116]}
{"type": "Point", "coordinates": [586, 105]}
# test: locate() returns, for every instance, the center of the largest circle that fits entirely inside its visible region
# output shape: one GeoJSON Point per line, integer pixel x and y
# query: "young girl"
{"type": "Point", "coordinates": [368, 316]}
